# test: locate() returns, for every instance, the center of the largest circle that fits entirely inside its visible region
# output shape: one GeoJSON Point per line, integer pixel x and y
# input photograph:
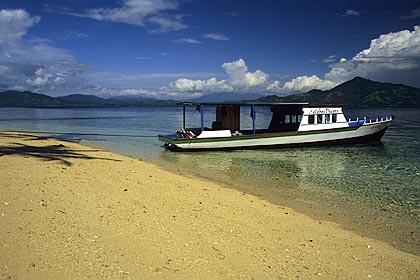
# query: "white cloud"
{"type": "Point", "coordinates": [413, 14]}
{"type": "Point", "coordinates": [275, 87]}
{"type": "Point", "coordinates": [238, 80]}
{"type": "Point", "coordinates": [187, 41]}
{"type": "Point", "coordinates": [351, 13]}
{"type": "Point", "coordinates": [239, 77]}
{"type": "Point", "coordinates": [216, 36]}
{"type": "Point", "coordinates": [72, 35]}
{"type": "Point", "coordinates": [152, 14]}
{"type": "Point", "coordinates": [393, 57]}
{"type": "Point", "coordinates": [39, 81]}
{"type": "Point", "coordinates": [14, 24]}
{"type": "Point", "coordinates": [307, 83]}
{"type": "Point", "coordinates": [210, 85]}
{"type": "Point", "coordinates": [165, 23]}
{"type": "Point", "coordinates": [141, 57]}
{"type": "Point", "coordinates": [331, 58]}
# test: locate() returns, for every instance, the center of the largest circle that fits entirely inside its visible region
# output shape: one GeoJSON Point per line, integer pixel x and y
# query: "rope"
{"type": "Point", "coordinates": [67, 119]}
{"type": "Point", "coordinates": [410, 121]}
{"type": "Point", "coordinates": [84, 134]}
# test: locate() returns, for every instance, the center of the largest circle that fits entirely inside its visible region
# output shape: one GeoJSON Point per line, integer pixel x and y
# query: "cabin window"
{"type": "Point", "coordinates": [334, 118]}
{"type": "Point", "coordinates": [319, 118]}
{"type": "Point", "coordinates": [327, 118]}
{"type": "Point", "coordinates": [292, 118]}
{"type": "Point", "coordinates": [311, 119]}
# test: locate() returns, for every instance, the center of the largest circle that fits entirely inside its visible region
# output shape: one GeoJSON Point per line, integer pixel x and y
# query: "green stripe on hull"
{"type": "Point", "coordinates": [251, 137]}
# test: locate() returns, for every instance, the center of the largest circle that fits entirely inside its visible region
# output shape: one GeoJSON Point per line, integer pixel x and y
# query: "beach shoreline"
{"type": "Point", "coordinates": [381, 226]}
{"type": "Point", "coordinates": [74, 212]}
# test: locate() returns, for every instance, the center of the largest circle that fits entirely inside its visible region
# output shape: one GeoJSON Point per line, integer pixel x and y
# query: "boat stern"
{"type": "Point", "coordinates": [167, 138]}
{"type": "Point", "coordinates": [172, 141]}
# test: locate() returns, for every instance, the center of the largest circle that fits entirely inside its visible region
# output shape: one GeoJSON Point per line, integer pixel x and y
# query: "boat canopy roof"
{"type": "Point", "coordinates": [244, 103]}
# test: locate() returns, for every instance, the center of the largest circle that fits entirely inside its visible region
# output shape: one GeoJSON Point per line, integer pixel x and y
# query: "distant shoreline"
{"type": "Point", "coordinates": [176, 105]}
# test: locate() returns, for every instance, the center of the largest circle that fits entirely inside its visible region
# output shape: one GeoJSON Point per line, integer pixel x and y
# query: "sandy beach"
{"type": "Point", "coordinates": [73, 212]}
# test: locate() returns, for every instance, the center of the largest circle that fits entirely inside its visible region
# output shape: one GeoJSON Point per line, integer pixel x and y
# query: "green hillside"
{"type": "Point", "coordinates": [359, 93]}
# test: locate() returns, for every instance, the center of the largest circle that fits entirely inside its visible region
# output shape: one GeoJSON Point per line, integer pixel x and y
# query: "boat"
{"type": "Point", "coordinates": [291, 125]}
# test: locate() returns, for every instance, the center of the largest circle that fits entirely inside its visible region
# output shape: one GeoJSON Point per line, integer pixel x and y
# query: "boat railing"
{"type": "Point", "coordinates": [366, 120]}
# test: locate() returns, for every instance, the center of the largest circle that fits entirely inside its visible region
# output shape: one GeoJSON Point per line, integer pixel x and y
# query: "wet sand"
{"type": "Point", "coordinates": [72, 212]}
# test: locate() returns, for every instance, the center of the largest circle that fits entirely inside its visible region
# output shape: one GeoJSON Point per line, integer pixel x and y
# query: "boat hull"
{"type": "Point", "coordinates": [349, 135]}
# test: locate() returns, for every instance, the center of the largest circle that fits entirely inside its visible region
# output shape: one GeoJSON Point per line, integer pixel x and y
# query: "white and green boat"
{"type": "Point", "coordinates": [292, 124]}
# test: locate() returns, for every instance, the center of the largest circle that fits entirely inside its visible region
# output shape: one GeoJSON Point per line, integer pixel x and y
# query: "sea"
{"type": "Point", "coordinates": [372, 189]}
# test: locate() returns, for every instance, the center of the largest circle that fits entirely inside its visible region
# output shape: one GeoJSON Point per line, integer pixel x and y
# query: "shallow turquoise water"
{"type": "Point", "coordinates": [374, 188]}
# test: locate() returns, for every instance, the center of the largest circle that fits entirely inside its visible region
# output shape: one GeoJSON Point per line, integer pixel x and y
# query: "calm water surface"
{"type": "Point", "coordinates": [373, 189]}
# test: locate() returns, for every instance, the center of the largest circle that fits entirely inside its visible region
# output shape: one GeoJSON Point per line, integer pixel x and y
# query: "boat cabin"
{"type": "Point", "coordinates": [318, 118]}
{"type": "Point", "coordinates": [286, 117]}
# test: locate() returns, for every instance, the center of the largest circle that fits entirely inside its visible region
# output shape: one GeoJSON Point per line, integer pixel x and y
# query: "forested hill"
{"type": "Point", "coordinates": [13, 98]}
{"type": "Point", "coordinates": [358, 93]}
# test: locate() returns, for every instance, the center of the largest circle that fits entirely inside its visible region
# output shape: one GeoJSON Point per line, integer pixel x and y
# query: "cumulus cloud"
{"type": "Point", "coordinates": [210, 85]}
{"type": "Point", "coordinates": [152, 14]}
{"type": "Point", "coordinates": [239, 79]}
{"type": "Point", "coordinates": [390, 57]}
{"type": "Point", "coordinates": [33, 64]}
{"type": "Point", "coordinates": [40, 79]}
{"type": "Point", "coordinates": [306, 83]}
{"type": "Point", "coordinates": [113, 92]}
{"type": "Point", "coordinates": [274, 87]}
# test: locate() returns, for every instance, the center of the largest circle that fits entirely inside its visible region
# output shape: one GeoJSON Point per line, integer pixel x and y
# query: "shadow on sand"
{"type": "Point", "coordinates": [59, 152]}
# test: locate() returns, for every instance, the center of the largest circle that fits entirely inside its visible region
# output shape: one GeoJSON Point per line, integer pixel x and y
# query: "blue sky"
{"type": "Point", "coordinates": [189, 48]}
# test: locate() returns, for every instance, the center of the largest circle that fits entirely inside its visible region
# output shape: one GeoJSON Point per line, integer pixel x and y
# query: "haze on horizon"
{"type": "Point", "coordinates": [176, 49]}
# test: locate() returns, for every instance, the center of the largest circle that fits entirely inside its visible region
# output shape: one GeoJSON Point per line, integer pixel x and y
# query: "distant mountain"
{"type": "Point", "coordinates": [13, 98]}
{"type": "Point", "coordinates": [83, 99]}
{"type": "Point", "coordinates": [29, 99]}
{"type": "Point", "coordinates": [358, 93]}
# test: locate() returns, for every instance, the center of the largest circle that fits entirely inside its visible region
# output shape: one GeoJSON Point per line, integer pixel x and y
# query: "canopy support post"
{"type": "Point", "coordinates": [183, 117]}
{"type": "Point", "coordinates": [253, 118]}
{"type": "Point", "coordinates": [202, 117]}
